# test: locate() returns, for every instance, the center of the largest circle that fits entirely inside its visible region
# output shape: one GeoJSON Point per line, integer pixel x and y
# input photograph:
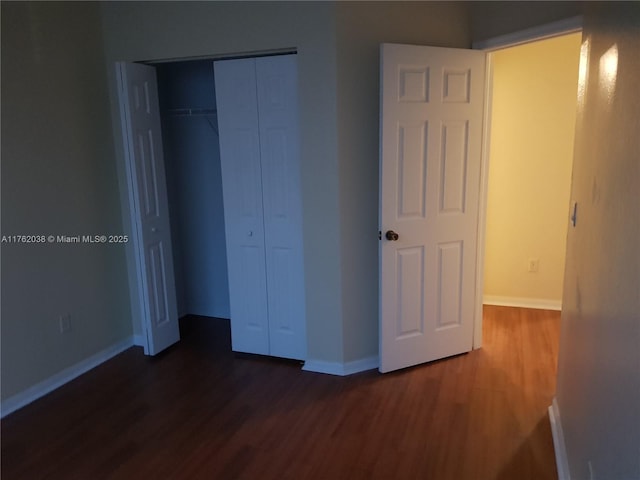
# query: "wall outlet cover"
{"type": "Point", "coordinates": [64, 322]}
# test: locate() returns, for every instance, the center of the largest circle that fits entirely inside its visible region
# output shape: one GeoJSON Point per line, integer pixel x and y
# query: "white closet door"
{"type": "Point", "coordinates": [140, 115]}
{"type": "Point", "coordinates": [280, 157]}
{"type": "Point", "coordinates": [243, 212]}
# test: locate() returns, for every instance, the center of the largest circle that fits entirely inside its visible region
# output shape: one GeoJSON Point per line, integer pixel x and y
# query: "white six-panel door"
{"type": "Point", "coordinates": [259, 147]}
{"type": "Point", "coordinates": [431, 126]}
{"type": "Point", "coordinates": [142, 136]}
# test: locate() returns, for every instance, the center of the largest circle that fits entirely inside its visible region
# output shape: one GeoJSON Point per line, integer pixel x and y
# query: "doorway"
{"type": "Point", "coordinates": [527, 167]}
{"type": "Point", "coordinates": [533, 108]}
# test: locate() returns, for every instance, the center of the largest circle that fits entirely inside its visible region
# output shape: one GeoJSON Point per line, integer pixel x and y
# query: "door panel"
{"type": "Point", "coordinates": [449, 285]}
{"type": "Point", "coordinates": [410, 313]}
{"type": "Point", "coordinates": [412, 168]}
{"type": "Point", "coordinates": [150, 216]}
{"type": "Point", "coordinates": [158, 285]}
{"type": "Point", "coordinates": [453, 167]}
{"type": "Point", "coordinates": [243, 205]}
{"type": "Point", "coordinates": [258, 118]}
{"type": "Point", "coordinates": [431, 125]}
{"type": "Point", "coordinates": [280, 155]}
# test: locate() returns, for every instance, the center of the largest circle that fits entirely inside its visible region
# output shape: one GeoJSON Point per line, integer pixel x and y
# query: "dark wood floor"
{"type": "Point", "coordinates": [201, 411]}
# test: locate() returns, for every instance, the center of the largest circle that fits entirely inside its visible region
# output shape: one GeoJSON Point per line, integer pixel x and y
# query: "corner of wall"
{"type": "Point", "coordinates": [342, 368]}
{"type": "Point", "coordinates": [562, 464]}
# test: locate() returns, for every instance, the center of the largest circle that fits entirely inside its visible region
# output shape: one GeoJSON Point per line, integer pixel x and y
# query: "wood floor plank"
{"type": "Point", "coordinates": [200, 411]}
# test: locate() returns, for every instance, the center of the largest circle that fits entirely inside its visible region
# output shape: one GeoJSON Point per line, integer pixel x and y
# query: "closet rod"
{"type": "Point", "coordinates": [191, 112]}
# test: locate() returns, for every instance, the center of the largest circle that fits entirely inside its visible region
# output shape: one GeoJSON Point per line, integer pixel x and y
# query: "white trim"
{"type": "Point", "coordinates": [482, 208]}
{"type": "Point", "coordinates": [562, 462]}
{"type": "Point", "coordinates": [361, 365]}
{"type": "Point", "coordinates": [523, 302]}
{"type": "Point", "coordinates": [48, 385]}
{"type": "Point", "coordinates": [342, 369]}
{"type": "Point", "coordinates": [540, 32]}
{"type": "Point", "coordinates": [138, 341]}
{"type": "Point", "coordinates": [320, 366]}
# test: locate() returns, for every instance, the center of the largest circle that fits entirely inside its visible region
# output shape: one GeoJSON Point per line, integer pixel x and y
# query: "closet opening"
{"type": "Point", "coordinates": [224, 197]}
{"type": "Point", "coordinates": [190, 137]}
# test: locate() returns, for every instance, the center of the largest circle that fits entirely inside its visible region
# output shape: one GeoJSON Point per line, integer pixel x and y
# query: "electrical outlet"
{"type": "Point", "coordinates": [64, 322]}
{"type": "Point", "coordinates": [533, 265]}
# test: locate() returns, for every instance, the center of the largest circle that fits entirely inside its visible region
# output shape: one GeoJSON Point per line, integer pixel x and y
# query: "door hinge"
{"type": "Point", "coordinates": [379, 234]}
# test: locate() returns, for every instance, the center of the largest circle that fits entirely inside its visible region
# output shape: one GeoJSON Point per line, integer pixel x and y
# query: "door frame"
{"type": "Point", "coordinates": [521, 37]}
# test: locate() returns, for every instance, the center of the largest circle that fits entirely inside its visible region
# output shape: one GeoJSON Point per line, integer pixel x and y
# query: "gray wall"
{"type": "Point", "coordinates": [59, 178]}
{"type": "Point", "coordinates": [598, 390]}
{"type": "Point", "coordinates": [194, 185]}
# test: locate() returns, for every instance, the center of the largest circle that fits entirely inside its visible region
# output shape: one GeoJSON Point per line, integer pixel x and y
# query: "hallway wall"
{"type": "Point", "coordinates": [598, 390]}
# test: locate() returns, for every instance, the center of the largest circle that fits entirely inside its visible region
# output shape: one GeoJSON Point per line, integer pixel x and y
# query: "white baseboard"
{"type": "Point", "coordinates": [40, 389]}
{"type": "Point", "coordinates": [541, 303]}
{"type": "Point", "coordinates": [342, 369]}
{"type": "Point", "coordinates": [138, 340]}
{"type": "Point", "coordinates": [562, 462]}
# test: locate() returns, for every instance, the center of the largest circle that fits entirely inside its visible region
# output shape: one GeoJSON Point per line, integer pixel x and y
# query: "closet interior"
{"type": "Point", "coordinates": [236, 217]}
{"type": "Point", "coordinates": [186, 92]}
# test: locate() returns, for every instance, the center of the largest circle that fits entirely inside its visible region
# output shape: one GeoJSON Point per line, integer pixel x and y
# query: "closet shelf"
{"type": "Point", "coordinates": [191, 112]}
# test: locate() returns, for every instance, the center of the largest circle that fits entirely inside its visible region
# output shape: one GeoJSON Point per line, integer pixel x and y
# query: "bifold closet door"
{"type": "Point", "coordinates": [243, 211]}
{"type": "Point", "coordinates": [259, 146]}
{"type": "Point", "coordinates": [276, 79]}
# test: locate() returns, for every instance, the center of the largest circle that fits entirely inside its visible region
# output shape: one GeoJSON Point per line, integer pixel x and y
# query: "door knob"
{"type": "Point", "coordinates": [391, 235]}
